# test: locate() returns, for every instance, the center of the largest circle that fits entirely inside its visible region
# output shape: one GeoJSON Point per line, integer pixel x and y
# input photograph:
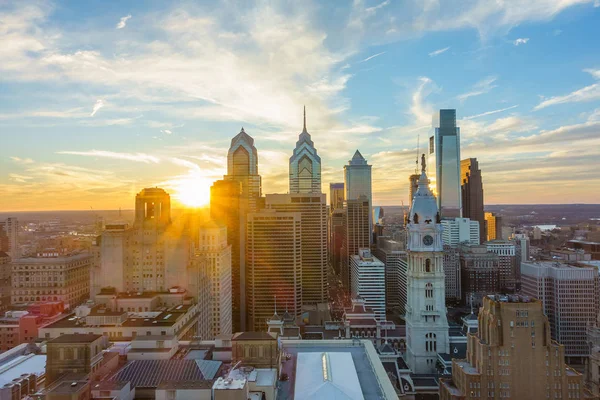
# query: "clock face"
{"type": "Point", "coordinates": [427, 240]}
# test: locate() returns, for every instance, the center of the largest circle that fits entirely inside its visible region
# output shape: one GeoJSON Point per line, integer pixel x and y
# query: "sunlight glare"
{"type": "Point", "coordinates": [193, 190]}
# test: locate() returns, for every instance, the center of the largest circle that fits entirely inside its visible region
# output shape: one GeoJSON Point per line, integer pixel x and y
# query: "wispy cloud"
{"type": "Point", "coordinates": [20, 160]}
{"type": "Point", "coordinates": [438, 52]}
{"type": "Point", "coordinates": [588, 93]}
{"type": "Point", "coordinates": [167, 131]}
{"type": "Point", "coordinates": [137, 157]}
{"type": "Point", "coordinates": [481, 87]}
{"type": "Point", "coordinates": [491, 112]}
{"type": "Point", "coordinates": [520, 41]}
{"type": "Point", "coordinates": [99, 104]}
{"type": "Point", "coordinates": [372, 57]}
{"type": "Point", "coordinates": [123, 22]}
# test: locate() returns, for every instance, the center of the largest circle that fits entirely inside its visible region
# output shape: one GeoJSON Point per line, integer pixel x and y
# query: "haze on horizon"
{"type": "Point", "coordinates": [99, 102]}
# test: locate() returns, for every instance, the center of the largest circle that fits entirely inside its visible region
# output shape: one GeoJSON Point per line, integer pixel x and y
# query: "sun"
{"type": "Point", "coordinates": [193, 191]}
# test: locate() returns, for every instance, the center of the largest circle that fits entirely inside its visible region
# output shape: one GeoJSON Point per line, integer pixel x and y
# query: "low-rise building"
{"type": "Point", "coordinates": [17, 327]}
{"type": "Point", "coordinates": [74, 353]}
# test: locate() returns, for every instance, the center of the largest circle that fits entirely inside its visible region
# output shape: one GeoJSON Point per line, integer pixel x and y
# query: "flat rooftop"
{"type": "Point", "coordinates": [369, 386]}
{"type": "Point", "coordinates": [52, 260]}
{"type": "Point", "coordinates": [76, 338]}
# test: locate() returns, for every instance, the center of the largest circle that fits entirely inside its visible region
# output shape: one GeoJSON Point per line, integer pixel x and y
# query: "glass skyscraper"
{"type": "Point", "coordinates": [305, 165]}
{"type": "Point", "coordinates": [444, 163]}
{"type": "Point", "coordinates": [357, 182]}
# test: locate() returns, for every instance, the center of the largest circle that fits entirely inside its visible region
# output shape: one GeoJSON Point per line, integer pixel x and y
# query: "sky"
{"type": "Point", "coordinates": [101, 99]}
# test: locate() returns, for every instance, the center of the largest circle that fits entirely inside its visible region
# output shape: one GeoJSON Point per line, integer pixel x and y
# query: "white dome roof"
{"type": "Point", "coordinates": [424, 204]}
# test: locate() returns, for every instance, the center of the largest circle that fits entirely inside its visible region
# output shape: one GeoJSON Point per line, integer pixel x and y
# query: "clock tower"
{"type": "Point", "coordinates": [426, 323]}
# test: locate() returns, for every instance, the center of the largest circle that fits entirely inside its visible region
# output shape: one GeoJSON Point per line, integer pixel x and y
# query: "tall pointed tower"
{"type": "Point", "coordinates": [305, 165]}
{"type": "Point", "coordinates": [426, 323]}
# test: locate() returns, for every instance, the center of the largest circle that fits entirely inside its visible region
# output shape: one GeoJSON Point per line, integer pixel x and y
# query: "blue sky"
{"type": "Point", "coordinates": [100, 99]}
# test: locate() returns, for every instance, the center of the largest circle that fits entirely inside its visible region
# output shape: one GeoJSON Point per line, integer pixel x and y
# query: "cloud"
{"type": "Point", "coordinates": [167, 131]}
{"type": "Point", "coordinates": [123, 22]}
{"type": "Point", "coordinates": [99, 104]}
{"type": "Point", "coordinates": [520, 41]}
{"type": "Point", "coordinates": [588, 93]}
{"type": "Point", "coordinates": [137, 157]}
{"type": "Point", "coordinates": [372, 57]}
{"type": "Point", "coordinates": [20, 160]}
{"type": "Point", "coordinates": [19, 178]}
{"type": "Point", "coordinates": [491, 112]}
{"type": "Point", "coordinates": [481, 87]}
{"type": "Point", "coordinates": [438, 52]}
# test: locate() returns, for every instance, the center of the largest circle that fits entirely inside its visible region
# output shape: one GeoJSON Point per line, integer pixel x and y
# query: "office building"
{"type": "Point", "coordinates": [52, 278]}
{"type": "Point", "coordinates": [9, 237]}
{"type": "Point", "coordinates": [336, 196]}
{"type": "Point", "coordinates": [426, 323]}
{"type": "Point", "coordinates": [357, 233]}
{"type": "Point", "coordinates": [313, 215]}
{"type": "Point", "coordinates": [444, 162]}
{"type": "Point", "coordinates": [213, 246]}
{"type": "Point", "coordinates": [305, 165]}
{"type": "Point", "coordinates": [512, 357]}
{"type": "Point", "coordinates": [472, 193]}
{"type": "Point", "coordinates": [225, 209]}
{"type": "Point", "coordinates": [357, 182]}
{"type": "Point", "coordinates": [592, 370]}
{"type": "Point", "coordinates": [570, 298]}
{"type": "Point", "coordinates": [413, 185]}
{"type": "Point", "coordinates": [460, 230]}
{"type": "Point", "coordinates": [452, 273]}
{"type": "Point", "coordinates": [74, 353]}
{"type": "Point", "coordinates": [479, 273]}
{"type": "Point", "coordinates": [274, 265]}
{"type": "Point", "coordinates": [510, 277]}
{"type": "Point", "coordinates": [587, 246]}
{"type": "Point", "coordinates": [337, 231]}
{"type": "Point", "coordinates": [393, 256]}
{"type": "Point", "coordinates": [521, 247]}
{"type": "Point", "coordinates": [493, 224]}
{"type": "Point", "coordinates": [5, 280]}
{"type": "Point", "coordinates": [368, 281]}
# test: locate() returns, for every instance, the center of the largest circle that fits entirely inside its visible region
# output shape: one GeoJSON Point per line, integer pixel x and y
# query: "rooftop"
{"type": "Point", "coordinates": [54, 260]}
{"type": "Point", "coordinates": [109, 385]}
{"type": "Point", "coordinates": [67, 387]}
{"type": "Point", "coordinates": [252, 336]}
{"type": "Point", "coordinates": [76, 338]}
{"type": "Point", "coordinates": [29, 364]}
{"type": "Point", "coordinates": [326, 375]}
{"type": "Point", "coordinates": [150, 373]}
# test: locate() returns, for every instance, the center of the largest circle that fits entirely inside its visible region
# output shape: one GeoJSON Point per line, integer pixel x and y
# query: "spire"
{"type": "Point", "coordinates": [304, 128]}
{"type": "Point", "coordinates": [242, 130]}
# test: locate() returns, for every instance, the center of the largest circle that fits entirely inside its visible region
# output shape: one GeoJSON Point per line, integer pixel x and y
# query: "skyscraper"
{"type": "Point", "coordinates": [305, 165]}
{"type": "Point", "coordinates": [444, 158]}
{"type": "Point", "coordinates": [426, 323]}
{"type": "Point", "coordinates": [336, 196]}
{"type": "Point", "coordinates": [493, 226]}
{"type": "Point", "coordinates": [313, 214]}
{"type": "Point", "coordinates": [368, 281]}
{"type": "Point", "coordinates": [242, 167]}
{"type": "Point", "coordinates": [512, 357]}
{"type": "Point", "coordinates": [274, 261]}
{"type": "Point", "coordinates": [357, 178]}
{"type": "Point", "coordinates": [225, 209]}
{"type": "Point", "coordinates": [357, 233]}
{"type": "Point", "coordinates": [472, 193]}
{"type": "Point", "coordinates": [212, 245]}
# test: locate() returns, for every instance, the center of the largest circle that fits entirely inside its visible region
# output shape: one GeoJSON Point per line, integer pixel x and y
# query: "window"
{"type": "Point", "coordinates": [428, 265]}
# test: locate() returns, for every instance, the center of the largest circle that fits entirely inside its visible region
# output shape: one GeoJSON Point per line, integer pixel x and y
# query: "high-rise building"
{"type": "Point", "coordinates": [592, 370]}
{"type": "Point", "coordinates": [242, 167]}
{"type": "Point", "coordinates": [312, 208]}
{"type": "Point", "coordinates": [512, 357]}
{"type": "Point", "coordinates": [479, 273]}
{"type": "Point", "coordinates": [336, 196]}
{"type": "Point", "coordinates": [357, 233]}
{"type": "Point", "coordinates": [452, 273]}
{"type": "Point", "coordinates": [213, 246]}
{"type": "Point", "coordinates": [426, 323]}
{"type": "Point", "coordinates": [337, 229]}
{"type": "Point", "coordinates": [200, 286]}
{"type": "Point", "coordinates": [274, 265]}
{"type": "Point", "coordinates": [393, 256]}
{"type": "Point", "coordinates": [460, 230]}
{"type": "Point", "coordinates": [9, 229]}
{"type": "Point", "coordinates": [305, 165]}
{"type": "Point", "coordinates": [413, 182]}
{"type": "Point", "coordinates": [51, 278]}
{"type": "Point", "coordinates": [444, 159]}
{"type": "Point", "coordinates": [5, 280]}
{"type": "Point", "coordinates": [510, 277]}
{"type": "Point", "coordinates": [368, 281]}
{"type": "Point", "coordinates": [570, 299]}
{"type": "Point", "coordinates": [493, 224]}
{"type": "Point", "coordinates": [472, 193]}
{"type": "Point", "coordinates": [357, 182]}
{"type": "Point", "coordinates": [225, 209]}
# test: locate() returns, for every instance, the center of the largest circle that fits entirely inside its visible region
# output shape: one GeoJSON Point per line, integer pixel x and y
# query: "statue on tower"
{"type": "Point", "coordinates": [423, 162]}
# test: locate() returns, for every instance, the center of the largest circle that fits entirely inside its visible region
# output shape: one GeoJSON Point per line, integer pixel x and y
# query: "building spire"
{"type": "Point", "coordinates": [304, 128]}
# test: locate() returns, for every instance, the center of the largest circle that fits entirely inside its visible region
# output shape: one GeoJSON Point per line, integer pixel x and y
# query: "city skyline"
{"type": "Point", "coordinates": [98, 106]}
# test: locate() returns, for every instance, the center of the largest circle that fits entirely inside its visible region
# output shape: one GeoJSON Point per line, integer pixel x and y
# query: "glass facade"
{"type": "Point", "coordinates": [444, 163]}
